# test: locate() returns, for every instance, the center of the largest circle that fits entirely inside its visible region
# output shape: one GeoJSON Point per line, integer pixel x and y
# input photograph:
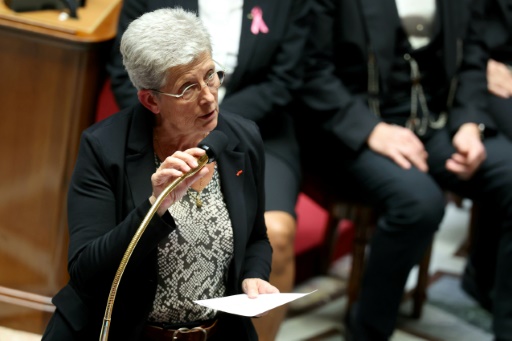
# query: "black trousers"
{"type": "Point", "coordinates": [412, 206]}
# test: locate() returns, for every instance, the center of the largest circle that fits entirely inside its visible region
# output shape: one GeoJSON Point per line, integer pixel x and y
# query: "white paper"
{"type": "Point", "coordinates": [245, 306]}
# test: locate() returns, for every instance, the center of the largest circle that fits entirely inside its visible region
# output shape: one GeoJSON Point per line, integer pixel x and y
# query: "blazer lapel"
{"type": "Point", "coordinates": [381, 18]}
{"type": "Point", "coordinates": [248, 40]}
{"type": "Point", "coordinates": [229, 164]}
{"type": "Point", "coordinates": [140, 161]}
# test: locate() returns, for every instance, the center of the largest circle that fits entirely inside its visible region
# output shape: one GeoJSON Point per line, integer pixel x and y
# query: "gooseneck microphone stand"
{"type": "Point", "coordinates": [203, 160]}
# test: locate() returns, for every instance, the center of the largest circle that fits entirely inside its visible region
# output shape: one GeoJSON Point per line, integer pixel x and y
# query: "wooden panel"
{"type": "Point", "coordinates": [48, 95]}
{"type": "Point", "coordinates": [89, 18]}
{"type": "Point", "coordinates": [24, 311]}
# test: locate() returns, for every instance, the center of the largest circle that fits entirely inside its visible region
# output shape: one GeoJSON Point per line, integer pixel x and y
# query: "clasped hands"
{"type": "Point", "coordinates": [403, 147]}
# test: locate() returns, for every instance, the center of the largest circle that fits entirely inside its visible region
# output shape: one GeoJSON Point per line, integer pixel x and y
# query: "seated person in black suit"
{"type": "Point", "coordinates": [486, 86]}
{"type": "Point", "coordinates": [378, 99]}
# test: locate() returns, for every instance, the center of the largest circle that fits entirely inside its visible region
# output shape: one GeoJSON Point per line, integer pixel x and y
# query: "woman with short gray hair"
{"type": "Point", "coordinates": [207, 238]}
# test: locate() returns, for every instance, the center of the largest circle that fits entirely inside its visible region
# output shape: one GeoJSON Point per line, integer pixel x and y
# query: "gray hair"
{"type": "Point", "coordinates": [160, 40]}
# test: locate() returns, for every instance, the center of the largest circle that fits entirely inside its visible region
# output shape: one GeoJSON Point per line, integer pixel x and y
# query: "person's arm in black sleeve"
{"type": "Point", "coordinates": [470, 103]}
{"type": "Point", "coordinates": [347, 116]}
{"type": "Point", "coordinates": [124, 92]}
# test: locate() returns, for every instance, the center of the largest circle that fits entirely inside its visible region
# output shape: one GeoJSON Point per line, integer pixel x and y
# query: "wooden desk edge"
{"type": "Point", "coordinates": [105, 31]}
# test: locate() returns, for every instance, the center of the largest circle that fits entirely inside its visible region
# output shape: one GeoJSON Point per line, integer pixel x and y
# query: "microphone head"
{"type": "Point", "coordinates": [214, 144]}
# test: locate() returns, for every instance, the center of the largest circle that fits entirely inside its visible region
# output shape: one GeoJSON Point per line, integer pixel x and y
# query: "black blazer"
{"type": "Point", "coordinates": [268, 70]}
{"type": "Point", "coordinates": [343, 33]}
{"type": "Point", "coordinates": [490, 28]}
{"type": "Point", "coordinates": [107, 200]}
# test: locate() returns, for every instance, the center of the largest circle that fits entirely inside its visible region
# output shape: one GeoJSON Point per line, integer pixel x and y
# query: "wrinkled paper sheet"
{"type": "Point", "coordinates": [245, 306]}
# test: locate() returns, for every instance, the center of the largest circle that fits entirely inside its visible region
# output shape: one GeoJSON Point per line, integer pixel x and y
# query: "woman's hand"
{"type": "Point", "coordinates": [172, 168]}
{"type": "Point", "coordinates": [255, 286]}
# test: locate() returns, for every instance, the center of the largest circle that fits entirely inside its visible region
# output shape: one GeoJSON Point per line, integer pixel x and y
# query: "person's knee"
{"type": "Point", "coordinates": [421, 209]}
{"type": "Point", "coordinates": [281, 228]}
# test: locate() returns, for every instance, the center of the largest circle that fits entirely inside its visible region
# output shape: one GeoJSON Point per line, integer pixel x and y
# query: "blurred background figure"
{"type": "Point", "coordinates": [379, 98]}
{"type": "Point", "coordinates": [486, 86]}
{"type": "Point", "coordinates": [260, 44]}
{"type": "Point", "coordinates": [488, 60]}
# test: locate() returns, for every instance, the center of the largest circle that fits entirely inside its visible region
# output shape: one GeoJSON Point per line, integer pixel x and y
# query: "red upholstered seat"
{"type": "Point", "coordinates": [106, 103]}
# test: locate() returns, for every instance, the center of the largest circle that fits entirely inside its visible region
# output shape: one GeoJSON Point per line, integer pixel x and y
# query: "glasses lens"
{"type": "Point", "coordinates": [214, 82]}
{"type": "Point", "coordinates": [190, 91]}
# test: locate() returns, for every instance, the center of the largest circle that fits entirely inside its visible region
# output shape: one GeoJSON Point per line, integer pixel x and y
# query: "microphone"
{"type": "Point", "coordinates": [214, 144]}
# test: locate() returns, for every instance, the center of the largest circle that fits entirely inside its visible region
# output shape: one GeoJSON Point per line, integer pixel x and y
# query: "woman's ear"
{"type": "Point", "coordinates": [147, 98]}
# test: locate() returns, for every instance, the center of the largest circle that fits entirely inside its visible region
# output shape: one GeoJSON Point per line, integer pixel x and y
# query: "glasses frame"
{"type": "Point", "coordinates": [220, 73]}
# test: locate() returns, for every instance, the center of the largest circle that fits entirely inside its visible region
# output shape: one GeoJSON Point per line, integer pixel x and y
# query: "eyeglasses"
{"type": "Point", "coordinates": [190, 93]}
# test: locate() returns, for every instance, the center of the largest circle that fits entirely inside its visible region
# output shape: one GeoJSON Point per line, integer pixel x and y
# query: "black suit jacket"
{"type": "Point", "coordinates": [108, 199]}
{"type": "Point", "coordinates": [268, 70]}
{"type": "Point", "coordinates": [490, 28]}
{"type": "Point", "coordinates": [343, 34]}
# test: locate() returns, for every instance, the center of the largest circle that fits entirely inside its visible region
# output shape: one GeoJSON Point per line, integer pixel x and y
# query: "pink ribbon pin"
{"type": "Point", "coordinates": [258, 25]}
